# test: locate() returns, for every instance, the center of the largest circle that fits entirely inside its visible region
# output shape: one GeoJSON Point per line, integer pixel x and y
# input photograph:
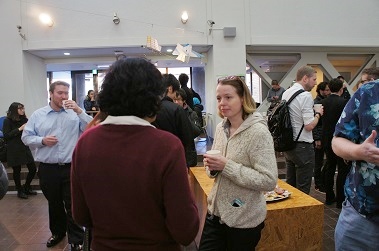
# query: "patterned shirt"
{"type": "Point", "coordinates": [359, 117]}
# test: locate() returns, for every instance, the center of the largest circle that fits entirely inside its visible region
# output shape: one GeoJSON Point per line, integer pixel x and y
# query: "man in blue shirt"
{"type": "Point", "coordinates": [52, 132]}
{"type": "Point", "coordinates": [356, 139]}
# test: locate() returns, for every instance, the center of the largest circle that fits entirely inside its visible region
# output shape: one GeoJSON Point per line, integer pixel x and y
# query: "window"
{"type": "Point", "coordinates": [177, 71]}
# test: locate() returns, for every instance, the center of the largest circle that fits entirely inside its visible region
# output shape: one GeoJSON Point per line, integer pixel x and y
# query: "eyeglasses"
{"type": "Point", "coordinates": [21, 108]}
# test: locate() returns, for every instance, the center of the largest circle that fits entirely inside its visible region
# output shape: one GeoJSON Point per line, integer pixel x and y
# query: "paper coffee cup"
{"type": "Point", "coordinates": [213, 152]}
{"type": "Point", "coordinates": [317, 106]}
{"type": "Point", "coordinates": [64, 104]}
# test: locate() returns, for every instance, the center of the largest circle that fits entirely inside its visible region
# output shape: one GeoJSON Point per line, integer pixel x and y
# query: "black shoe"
{"type": "Point", "coordinates": [21, 194]}
{"type": "Point", "coordinates": [28, 190]}
{"type": "Point", "coordinates": [76, 247]}
{"type": "Point", "coordinates": [54, 240]}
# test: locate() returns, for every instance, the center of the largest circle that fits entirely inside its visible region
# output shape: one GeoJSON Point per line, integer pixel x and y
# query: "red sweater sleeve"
{"type": "Point", "coordinates": [182, 215]}
{"type": "Point", "coordinates": [80, 211]}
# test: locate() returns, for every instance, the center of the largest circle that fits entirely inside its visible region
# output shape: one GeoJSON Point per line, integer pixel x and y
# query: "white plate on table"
{"type": "Point", "coordinates": [273, 196]}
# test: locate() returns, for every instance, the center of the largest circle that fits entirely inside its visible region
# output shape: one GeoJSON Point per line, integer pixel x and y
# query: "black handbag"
{"type": "Point", "coordinates": [3, 150]}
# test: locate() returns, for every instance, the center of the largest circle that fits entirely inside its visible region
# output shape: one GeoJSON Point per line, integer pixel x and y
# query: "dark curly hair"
{"type": "Point", "coordinates": [335, 85]}
{"type": "Point", "coordinates": [182, 94]}
{"type": "Point", "coordinates": [170, 80]}
{"type": "Point", "coordinates": [321, 87]}
{"type": "Point", "coordinates": [132, 87]}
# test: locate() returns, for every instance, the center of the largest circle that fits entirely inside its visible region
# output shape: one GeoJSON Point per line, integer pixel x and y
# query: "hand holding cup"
{"type": "Point", "coordinates": [71, 104]}
{"type": "Point", "coordinates": [214, 162]}
{"type": "Point", "coordinates": [318, 108]}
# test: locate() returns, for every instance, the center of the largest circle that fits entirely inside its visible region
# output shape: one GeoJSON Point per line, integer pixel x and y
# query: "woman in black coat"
{"type": "Point", "coordinates": [90, 102]}
{"type": "Point", "coordinates": [17, 153]}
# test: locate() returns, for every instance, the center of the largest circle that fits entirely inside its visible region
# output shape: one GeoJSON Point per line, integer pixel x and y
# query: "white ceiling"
{"type": "Point", "coordinates": [91, 58]}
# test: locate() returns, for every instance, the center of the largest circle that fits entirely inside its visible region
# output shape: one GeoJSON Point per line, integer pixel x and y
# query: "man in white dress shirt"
{"type": "Point", "coordinates": [300, 161]}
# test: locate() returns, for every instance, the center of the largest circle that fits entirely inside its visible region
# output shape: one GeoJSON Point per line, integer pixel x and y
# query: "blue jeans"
{"type": "Point", "coordinates": [300, 163]}
{"type": "Point", "coordinates": [354, 232]}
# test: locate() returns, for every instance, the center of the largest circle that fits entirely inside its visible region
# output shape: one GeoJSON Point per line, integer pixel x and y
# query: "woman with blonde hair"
{"type": "Point", "coordinates": [244, 170]}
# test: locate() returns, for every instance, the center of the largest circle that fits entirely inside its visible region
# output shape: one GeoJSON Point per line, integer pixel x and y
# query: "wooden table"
{"type": "Point", "coordinates": [295, 223]}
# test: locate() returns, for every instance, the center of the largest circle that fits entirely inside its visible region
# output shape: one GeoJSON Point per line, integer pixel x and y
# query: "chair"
{"type": "Point", "coordinates": [1, 126]}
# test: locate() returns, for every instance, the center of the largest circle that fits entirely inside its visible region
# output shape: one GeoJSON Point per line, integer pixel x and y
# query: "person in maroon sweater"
{"type": "Point", "coordinates": [129, 180]}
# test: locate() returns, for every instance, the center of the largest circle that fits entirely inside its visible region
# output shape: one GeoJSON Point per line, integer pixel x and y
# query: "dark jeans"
{"type": "Point", "coordinates": [56, 186]}
{"type": "Point", "coordinates": [220, 237]}
{"type": "Point", "coordinates": [17, 174]}
{"type": "Point", "coordinates": [343, 169]}
{"type": "Point", "coordinates": [300, 163]}
{"type": "Point", "coordinates": [319, 170]}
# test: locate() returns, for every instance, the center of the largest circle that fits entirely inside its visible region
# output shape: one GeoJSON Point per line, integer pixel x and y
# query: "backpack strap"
{"type": "Point", "coordinates": [298, 136]}
{"type": "Point", "coordinates": [294, 96]}
{"type": "Point", "coordinates": [288, 102]}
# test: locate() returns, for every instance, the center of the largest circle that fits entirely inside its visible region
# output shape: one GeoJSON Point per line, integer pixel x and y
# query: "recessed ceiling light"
{"type": "Point", "coordinates": [169, 50]}
{"type": "Point", "coordinates": [103, 66]}
{"type": "Point", "coordinates": [66, 53]}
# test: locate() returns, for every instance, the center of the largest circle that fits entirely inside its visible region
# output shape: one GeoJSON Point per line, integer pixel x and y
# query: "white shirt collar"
{"type": "Point", "coordinates": [125, 120]}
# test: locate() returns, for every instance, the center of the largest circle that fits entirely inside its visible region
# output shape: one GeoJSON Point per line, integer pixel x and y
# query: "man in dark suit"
{"type": "Point", "coordinates": [323, 92]}
{"type": "Point", "coordinates": [345, 93]}
{"type": "Point", "coordinates": [183, 79]}
{"type": "Point", "coordinates": [333, 107]}
{"type": "Point", "coordinates": [172, 118]}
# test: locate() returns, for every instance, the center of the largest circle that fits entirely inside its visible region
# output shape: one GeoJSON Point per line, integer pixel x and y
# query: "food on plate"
{"type": "Point", "coordinates": [279, 190]}
{"type": "Point", "coordinates": [277, 194]}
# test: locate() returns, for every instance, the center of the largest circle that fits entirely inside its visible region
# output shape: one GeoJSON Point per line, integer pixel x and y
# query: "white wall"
{"type": "Point", "coordinates": [11, 67]}
{"type": "Point", "coordinates": [228, 55]}
{"type": "Point", "coordinates": [88, 24]}
{"type": "Point", "coordinates": [35, 83]}
{"type": "Point", "coordinates": [314, 23]}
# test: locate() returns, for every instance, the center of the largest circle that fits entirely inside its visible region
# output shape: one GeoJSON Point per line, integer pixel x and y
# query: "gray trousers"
{"type": "Point", "coordinates": [300, 163]}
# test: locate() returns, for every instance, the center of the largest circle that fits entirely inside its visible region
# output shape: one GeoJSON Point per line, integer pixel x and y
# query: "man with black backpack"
{"type": "Point", "coordinates": [300, 160]}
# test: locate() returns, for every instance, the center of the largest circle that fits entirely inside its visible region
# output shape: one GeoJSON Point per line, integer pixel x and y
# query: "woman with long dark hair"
{"type": "Point", "coordinates": [90, 102]}
{"type": "Point", "coordinates": [17, 153]}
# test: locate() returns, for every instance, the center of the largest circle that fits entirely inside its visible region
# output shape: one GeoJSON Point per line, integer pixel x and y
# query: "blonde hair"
{"type": "Point", "coordinates": [305, 71]}
{"type": "Point", "coordinates": [248, 103]}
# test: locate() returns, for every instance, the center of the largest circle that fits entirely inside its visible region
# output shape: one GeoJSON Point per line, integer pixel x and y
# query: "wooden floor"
{"type": "Point", "coordinates": [24, 224]}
